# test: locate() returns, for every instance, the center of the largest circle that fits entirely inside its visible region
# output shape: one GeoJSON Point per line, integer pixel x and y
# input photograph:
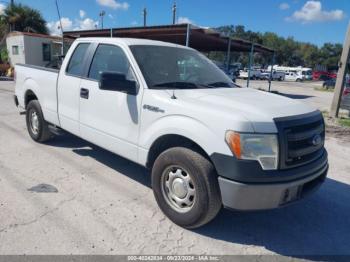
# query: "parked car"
{"type": "Point", "coordinates": [303, 73]}
{"type": "Point", "coordinates": [330, 83]}
{"type": "Point", "coordinates": [280, 76]}
{"type": "Point", "coordinates": [232, 74]}
{"type": "Point", "coordinates": [254, 74]}
{"type": "Point", "coordinates": [292, 76]}
{"type": "Point", "coordinates": [323, 75]}
{"type": "Point", "coordinates": [167, 107]}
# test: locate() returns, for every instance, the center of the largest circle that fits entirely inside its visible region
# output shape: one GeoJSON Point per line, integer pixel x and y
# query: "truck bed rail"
{"type": "Point", "coordinates": [39, 68]}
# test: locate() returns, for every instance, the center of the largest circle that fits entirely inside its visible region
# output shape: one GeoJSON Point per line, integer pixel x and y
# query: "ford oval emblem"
{"type": "Point", "coordinates": [316, 140]}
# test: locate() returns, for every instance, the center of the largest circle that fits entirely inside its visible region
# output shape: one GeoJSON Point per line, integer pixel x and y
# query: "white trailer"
{"type": "Point", "coordinates": [299, 73]}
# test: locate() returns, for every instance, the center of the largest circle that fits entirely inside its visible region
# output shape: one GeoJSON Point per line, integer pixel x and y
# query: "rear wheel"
{"type": "Point", "coordinates": [37, 127]}
{"type": "Point", "coordinates": [186, 188]}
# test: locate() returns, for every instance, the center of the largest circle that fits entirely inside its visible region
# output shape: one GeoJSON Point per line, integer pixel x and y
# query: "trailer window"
{"type": "Point", "coordinates": [15, 50]}
{"type": "Point", "coordinates": [76, 63]}
{"type": "Point", "coordinates": [46, 52]}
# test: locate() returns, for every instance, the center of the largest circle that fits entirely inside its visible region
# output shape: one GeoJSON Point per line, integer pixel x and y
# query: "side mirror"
{"type": "Point", "coordinates": [117, 82]}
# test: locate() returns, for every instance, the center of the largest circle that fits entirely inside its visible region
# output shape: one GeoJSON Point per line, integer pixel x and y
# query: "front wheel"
{"type": "Point", "coordinates": [38, 128]}
{"type": "Point", "coordinates": [186, 188]}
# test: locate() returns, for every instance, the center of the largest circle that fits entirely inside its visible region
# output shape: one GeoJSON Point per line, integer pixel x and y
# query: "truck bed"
{"type": "Point", "coordinates": [42, 82]}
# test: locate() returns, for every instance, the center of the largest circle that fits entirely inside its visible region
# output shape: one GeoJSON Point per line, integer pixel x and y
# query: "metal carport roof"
{"type": "Point", "coordinates": [201, 39]}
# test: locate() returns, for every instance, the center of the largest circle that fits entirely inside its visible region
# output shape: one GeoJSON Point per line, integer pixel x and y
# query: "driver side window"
{"type": "Point", "coordinates": [110, 58]}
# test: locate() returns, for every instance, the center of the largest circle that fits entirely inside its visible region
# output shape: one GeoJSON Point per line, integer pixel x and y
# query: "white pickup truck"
{"type": "Point", "coordinates": [167, 107]}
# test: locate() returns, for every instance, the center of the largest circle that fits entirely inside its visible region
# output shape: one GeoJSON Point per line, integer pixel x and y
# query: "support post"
{"type": "Point", "coordinates": [250, 63]}
{"type": "Point", "coordinates": [144, 17]}
{"type": "Point", "coordinates": [339, 85]}
{"type": "Point", "coordinates": [270, 79]}
{"type": "Point", "coordinates": [188, 34]}
{"type": "Point", "coordinates": [228, 58]}
{"type": "Point", "coordinates": [174, 13]}
{"type": "Point", "coordinates": [59, 17]}
{"type": "Point", "coordinates": [111, 30]}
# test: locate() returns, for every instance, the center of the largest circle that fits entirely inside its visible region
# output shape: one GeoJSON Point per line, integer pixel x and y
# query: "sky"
{"type": "Point", "coordinates": [309, 21]}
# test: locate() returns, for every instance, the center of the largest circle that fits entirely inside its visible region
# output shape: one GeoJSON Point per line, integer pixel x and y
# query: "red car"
{"type": "Point", "coordinates": [323, 75]}
{"type": "Point", "coordinates": [346, 91]}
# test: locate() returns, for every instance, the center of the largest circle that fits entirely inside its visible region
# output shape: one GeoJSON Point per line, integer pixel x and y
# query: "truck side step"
{"type": "Point", "coordinates": [56, 130]}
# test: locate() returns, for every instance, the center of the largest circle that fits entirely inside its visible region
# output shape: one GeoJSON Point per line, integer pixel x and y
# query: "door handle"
{"type": "Point", "coordinates": [84, 93]}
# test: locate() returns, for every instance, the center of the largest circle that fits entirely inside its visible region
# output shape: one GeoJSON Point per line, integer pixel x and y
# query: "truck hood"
{"type": "Point", "coordinates": [259, 107]}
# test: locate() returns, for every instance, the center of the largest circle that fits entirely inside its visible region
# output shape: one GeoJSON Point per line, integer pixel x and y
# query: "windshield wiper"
{"type": "Point", "coordinates": [219, 84]}
{"type": "Point", "coordinates": [179, 85]}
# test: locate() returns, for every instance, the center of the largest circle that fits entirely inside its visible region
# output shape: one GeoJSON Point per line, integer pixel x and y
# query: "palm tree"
{"type": "Point", "coordinates": [18, 17]}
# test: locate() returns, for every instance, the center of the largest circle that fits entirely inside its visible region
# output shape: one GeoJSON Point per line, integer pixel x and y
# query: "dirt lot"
{"type": "Point", "coordinates": [98, 203]}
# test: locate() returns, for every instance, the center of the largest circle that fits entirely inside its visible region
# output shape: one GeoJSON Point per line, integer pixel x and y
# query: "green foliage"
{"type": "Point", "coordinates": [288, 51]}
{"type": "Point", "coordinates": [21, 18]}
{"type": "Point", "coordinates": [4, 56]}
{"type": "Point", "coordinates": [344, 122]}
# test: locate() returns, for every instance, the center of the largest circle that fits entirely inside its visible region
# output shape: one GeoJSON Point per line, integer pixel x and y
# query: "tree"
{"type": "Point", "coordinates": [330, 55]}
{"type": "Point", "coordinates": [4, 56]}
{"type": "Point", "coordinates": [18, 17]}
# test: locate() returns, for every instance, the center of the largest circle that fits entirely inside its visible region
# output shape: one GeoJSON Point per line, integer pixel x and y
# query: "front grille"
{"type": "Point", "coordinates": [301, 139]}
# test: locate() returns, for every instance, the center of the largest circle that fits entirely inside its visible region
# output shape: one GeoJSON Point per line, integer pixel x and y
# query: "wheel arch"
{"type": "Point", "coordinates": [168, 141]}
{"type": "Point", "coordinates": [179, 130]}
{"type": "Point", "coordinates": [31, 91]}
{"type": "Point", "coordinates": [29, 95]}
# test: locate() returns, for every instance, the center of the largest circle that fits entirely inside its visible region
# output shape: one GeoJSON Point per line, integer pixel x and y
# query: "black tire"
{"type": "Point", "coordinates": [43, 133]}
{"type": "Point", "coordinates": [207, 201]}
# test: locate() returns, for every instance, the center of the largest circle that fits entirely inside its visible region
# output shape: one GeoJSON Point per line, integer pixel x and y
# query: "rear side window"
{"type": "Point", "coordinates": [110, 58]}
{"type": "Point", "coordinates": [76, 63]}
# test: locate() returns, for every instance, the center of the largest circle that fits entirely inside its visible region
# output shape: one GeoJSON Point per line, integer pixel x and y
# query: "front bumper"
{"type": "Point", "coordinates": [276, 190]}
{"type": "Point", "coordinates": [241, 196]}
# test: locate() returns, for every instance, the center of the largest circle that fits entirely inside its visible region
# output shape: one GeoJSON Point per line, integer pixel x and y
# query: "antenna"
{"type": "Point", "coordinates": [173, 96]}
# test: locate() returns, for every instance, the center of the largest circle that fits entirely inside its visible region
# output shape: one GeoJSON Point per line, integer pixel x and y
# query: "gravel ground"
{"type": "Point", "coordinates": [303, 91]}
{"type": "Point", "coordinates": [70, 197]}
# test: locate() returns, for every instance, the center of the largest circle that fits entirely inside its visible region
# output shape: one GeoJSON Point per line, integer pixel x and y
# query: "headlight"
{"type": "Point", "coordinates": [260, 147]}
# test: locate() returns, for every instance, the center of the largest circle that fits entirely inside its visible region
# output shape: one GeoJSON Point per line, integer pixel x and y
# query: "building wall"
{"type": "Point", "coordinates": [17, 40]}
{"type": "Point", "coordinates": [34, 50]}
{"type": "Point", "coordinates": [30, 49]}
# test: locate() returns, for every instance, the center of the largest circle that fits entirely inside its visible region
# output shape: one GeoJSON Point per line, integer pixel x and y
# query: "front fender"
{"type": "Point", "coordinates": [185, 126]}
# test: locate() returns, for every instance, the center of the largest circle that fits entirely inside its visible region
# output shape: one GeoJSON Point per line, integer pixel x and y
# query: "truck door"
{"type": "Point", "coordinates": [110, 119]}
{"type": "Point", "coordinates": [68, 89]}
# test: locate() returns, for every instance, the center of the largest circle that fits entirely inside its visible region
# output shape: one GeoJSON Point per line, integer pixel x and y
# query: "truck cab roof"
{"type": "Point", "coordinates": [129, 41]}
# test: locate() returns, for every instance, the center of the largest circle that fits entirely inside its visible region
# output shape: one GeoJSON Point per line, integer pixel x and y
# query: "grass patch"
{"type": "Point", "coordinates": [344, 122]}
{"type": "Point", "coordinates": [322, 89]}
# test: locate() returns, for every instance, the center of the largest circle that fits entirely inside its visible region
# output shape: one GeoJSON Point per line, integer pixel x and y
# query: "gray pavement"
{"type": "Point", "coordinates": [100, 203]}
{"type": "Point", "coordinates": [303, 91]}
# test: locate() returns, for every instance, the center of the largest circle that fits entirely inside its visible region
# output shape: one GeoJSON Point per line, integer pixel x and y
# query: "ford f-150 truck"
{"type": "Point", "coordinates": [167, 107]}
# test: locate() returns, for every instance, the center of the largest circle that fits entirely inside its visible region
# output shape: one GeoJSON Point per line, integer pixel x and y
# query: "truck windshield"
{"type": "Point", "coordinates": [178, 68]}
